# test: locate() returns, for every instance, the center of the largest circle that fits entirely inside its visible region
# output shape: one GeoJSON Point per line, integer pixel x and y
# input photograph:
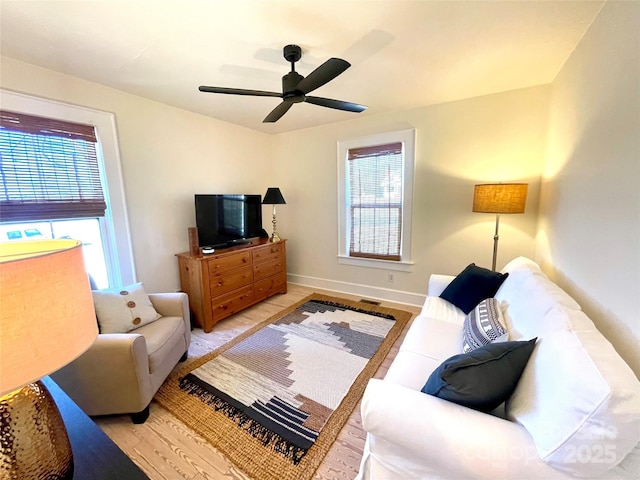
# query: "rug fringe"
{"type": "Point", "coordinates": [255, 429]}
{"type": "Point", "coordinates": [356, 309]}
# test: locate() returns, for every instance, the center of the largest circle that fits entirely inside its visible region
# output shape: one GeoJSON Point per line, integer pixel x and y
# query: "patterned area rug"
{"type": "Point", "coordinates": [274, 399]}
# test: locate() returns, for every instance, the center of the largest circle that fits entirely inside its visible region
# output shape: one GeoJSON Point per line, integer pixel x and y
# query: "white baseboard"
{"type": "Point", "coordinates": [377, 293]}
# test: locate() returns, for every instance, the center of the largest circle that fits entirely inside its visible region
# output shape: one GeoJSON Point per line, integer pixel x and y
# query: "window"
{"type": "Point", "coordinates": [60, 178]}
{"type": "Point", "coordinates": [48, 169]}
{"type": "Point", "coordinates": [375, 196]}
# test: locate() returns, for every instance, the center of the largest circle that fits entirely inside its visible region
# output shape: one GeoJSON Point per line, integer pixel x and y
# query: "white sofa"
{"type": "Point", "coordinates": [574, 413]}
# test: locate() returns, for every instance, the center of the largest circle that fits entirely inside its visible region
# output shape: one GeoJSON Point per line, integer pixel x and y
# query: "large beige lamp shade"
{"type": "Point", "coordinates": [46, 321]}
{"type": "Point", "coordinates": [499, 198]}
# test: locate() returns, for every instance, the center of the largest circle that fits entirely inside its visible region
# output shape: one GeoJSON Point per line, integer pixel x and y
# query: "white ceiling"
{"type": "Point", "coordinates": [404, 54]}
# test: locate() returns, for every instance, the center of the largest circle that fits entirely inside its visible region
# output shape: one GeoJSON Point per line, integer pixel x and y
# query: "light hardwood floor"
{"type": "Point", "coordinates": [165, 449]}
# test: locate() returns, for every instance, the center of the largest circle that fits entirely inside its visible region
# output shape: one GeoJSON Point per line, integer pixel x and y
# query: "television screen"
{"type": "Point", "coordinates": [224, 220]}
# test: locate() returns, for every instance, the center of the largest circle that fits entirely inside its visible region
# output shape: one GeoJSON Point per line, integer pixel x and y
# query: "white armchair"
{"type": "Point", "coordinates": [121, 372]}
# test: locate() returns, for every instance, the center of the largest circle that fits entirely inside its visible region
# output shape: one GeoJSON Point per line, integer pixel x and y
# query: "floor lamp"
{"type": "Point", "coordinates": [274, 197]}
{"type": "Point", "coordinates": [499, 198]}
{"type": "Point", "coordinates": [47, 320]}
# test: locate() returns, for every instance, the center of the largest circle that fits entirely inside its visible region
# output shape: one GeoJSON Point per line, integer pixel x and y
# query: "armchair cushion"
{"type": "Point", "coordinates": [123, 309]}
{"type": "Point", "coordinates": [161, 336]}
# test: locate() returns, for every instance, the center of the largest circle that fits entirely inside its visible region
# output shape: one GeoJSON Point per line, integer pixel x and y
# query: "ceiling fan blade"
{"type": "Point", "coordinates": [239, 91]}
{"type": "Point", "coordinates": [278, 112]}
{"type": "Point", "coordinates": [337, 104]}
{"type": "Point", "coordinates": [323, 74]}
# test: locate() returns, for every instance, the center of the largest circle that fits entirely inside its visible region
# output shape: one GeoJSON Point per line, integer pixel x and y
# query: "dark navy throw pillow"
{"type": "Point", "coordinates": [483, 378]}
{"type": "Point", "coordinates": [471, 286]}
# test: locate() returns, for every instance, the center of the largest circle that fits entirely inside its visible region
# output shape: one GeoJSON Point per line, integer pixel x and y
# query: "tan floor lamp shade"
{"type": "Point", "coordinates": [499, 198]}
{"type": "Point", "coordinates": [46, 321]}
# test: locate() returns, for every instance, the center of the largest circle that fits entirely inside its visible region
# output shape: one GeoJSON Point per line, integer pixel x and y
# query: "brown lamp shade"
{"type": "Point", "coordinates": [500, 198]}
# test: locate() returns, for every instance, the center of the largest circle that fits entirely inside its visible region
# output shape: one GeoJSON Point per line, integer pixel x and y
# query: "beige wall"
{"type": "Point", "coordinates": [167, 155]}
{"type": "Point", "coordinates": [589, 234]}
{"type": "Point", "coordinates": [485, 139]}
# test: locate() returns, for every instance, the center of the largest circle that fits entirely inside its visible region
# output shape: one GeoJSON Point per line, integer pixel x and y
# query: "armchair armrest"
{"type": "Point", "coordinates": [437, 284]}
{"type": "Point", "coordinates": [437, 436]}
{"type": "Point", "coordinates": [112, 376]}
{"type": "Point", "coordinates": [173, 304]}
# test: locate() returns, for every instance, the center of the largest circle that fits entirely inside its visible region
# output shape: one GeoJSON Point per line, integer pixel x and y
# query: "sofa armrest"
{"type": "Point", "coordinates": [112, 376]}
{"type": "Point", "coordinates": [173, 304]}
{"type": "Point", "coordinates": [437, 436]}
{"type": "Point", "coordinates": [437, 284]}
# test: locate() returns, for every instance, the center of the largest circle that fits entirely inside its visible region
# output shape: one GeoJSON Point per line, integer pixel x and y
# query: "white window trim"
{"type": "Point", "coordinates": [115, 227]}
{"type": "Point", "coordinates": [407, 137]}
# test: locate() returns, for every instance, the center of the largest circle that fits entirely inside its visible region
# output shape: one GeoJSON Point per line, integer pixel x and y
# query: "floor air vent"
{"type": "Point", "coordinates": [369, 302]}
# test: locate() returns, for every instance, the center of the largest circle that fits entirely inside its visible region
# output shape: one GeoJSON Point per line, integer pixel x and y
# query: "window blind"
{"type": "Point", "coordinates": [48, 169]}
{"type": "Point", "coordinates": [375, 198]}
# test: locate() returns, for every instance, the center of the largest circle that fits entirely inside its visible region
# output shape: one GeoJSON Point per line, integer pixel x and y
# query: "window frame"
{"type": "Point", "coordinates": [114, 225]}
{"type": "Point", "coordinates": [407, 138]}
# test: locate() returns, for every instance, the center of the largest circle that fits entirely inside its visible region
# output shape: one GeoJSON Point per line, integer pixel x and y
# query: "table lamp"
{"type": "Point", "coordinates": [274, 197]}
{"type": "Point", "coordinates": [47, 320]}
{"type": "Point", "coordinates": [499, 198]}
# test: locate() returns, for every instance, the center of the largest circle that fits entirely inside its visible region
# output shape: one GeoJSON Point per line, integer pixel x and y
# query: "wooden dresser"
{"type": "Point", "coordinates": [231, 279]}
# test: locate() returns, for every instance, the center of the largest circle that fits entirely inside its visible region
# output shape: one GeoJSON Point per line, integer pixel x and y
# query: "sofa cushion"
{"type": "Point", "coordinates": [577, 398]}
{"type": "Point", "coordinates": [483, 325]}
{"type": "Point", "coordinates": [483, 378]}
{"type": "Point", "coordinates": [471, 286]}
{"type": "Point", "coordinates": [525, 297]}
{"type": "Point", "coordinates": [521, 263]}
{"type": "Point", "coordinates": [428, 340]}
{"type": "Point", "coordinates": [439, 308]}
{"type": "Point", "coordinates": [121, 310]}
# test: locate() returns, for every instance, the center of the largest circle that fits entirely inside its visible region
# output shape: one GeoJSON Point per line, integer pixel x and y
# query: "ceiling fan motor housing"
{"type": "Point", "coordinates": [292, 53]}
{"type": "Point", "coordinates": [289, 83]}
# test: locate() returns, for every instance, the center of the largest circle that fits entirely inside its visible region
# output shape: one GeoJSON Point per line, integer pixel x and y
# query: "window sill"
{"type": "Point", "coordinates": [401, 266]}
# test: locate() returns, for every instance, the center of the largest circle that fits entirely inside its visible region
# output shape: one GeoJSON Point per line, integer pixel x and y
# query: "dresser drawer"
{"type": "Point", "coordinates": [266, 269]}
{"type": "Point", "coordinates": [266, 253]}
{"type": "Point", "coordinates": [228, 262]}
{"type": "Point", "coordinates": [222, 307]}
{"type": "Point", "coordinates": [269, 286]}
{"type": "Point", "coordinates": [221, 284]}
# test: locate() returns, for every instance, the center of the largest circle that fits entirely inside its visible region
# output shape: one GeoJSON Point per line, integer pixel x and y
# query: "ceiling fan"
{"type": "Point", "coordinates": [295, 87]}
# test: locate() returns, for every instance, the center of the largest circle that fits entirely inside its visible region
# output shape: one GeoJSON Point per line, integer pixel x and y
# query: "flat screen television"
{"type": "Point", "coordinates": [227, 220]}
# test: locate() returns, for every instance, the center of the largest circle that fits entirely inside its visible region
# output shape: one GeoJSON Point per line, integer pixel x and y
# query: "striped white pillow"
{"type": "Point", "coordinates": [483, 325]}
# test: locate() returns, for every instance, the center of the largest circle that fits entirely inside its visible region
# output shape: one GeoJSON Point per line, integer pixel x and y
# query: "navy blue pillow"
{"type": "Point", "coordinates": [471, 286]}
{"type": "Point", "coordinates": [482, 379]}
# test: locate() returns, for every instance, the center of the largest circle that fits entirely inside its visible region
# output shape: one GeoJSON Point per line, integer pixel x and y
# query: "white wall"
{"type": "Point", "coordinates": [167, 155]}
{"type": "Point", "coordinates": [589, 228]}
{"type": "Point", "coordinates": [485, 139]}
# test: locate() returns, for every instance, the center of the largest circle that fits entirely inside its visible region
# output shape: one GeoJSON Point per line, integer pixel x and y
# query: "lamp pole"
{"type": "Point", "coordinates": [495, 243]}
